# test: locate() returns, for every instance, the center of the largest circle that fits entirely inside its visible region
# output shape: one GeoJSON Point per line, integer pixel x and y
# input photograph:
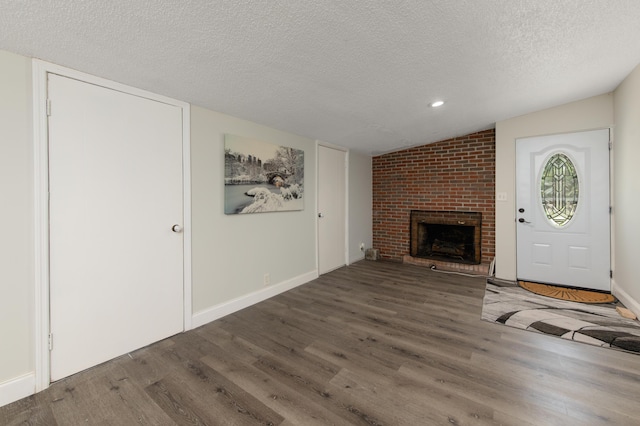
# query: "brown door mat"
{"type": "Point", "coordinates": [567, 293]}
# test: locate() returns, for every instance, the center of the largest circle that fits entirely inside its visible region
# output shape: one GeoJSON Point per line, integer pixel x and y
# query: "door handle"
{"type": "Point", "coordinates": [320, 215]}
{"type": "Point", "coordinates": [176, 228]}
{"type": "Point", "coordinates": [521, 220]}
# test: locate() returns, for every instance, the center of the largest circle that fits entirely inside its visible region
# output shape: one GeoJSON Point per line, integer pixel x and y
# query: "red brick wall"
{"type": "Point", "coordinates": [452, 175]}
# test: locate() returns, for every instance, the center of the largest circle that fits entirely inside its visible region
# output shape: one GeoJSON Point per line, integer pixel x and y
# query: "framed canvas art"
{"type": "Point", "coordinates": [261, 177]}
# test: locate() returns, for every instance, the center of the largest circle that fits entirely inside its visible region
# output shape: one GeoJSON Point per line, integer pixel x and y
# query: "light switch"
{"type": "Point", "coordinates": [501, 196]}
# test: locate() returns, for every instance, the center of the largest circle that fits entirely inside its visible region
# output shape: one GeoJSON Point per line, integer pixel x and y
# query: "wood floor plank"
{"type": "Point", "coordinates": [285, 348]}
{"type": "Point", "coordinates": [177, 403]}
{"type": "Point", "coordinates": [147, 365]}
{"type": "Point", "coordinates": [374, 343]}
{"type": "Point", "coordinates": [561, 396]}
{"type": "Point", "coordinates": [213, 395]}
{"type": "Point", "coordinates": [28, 411]}
{"type": "Point", "coordinates": [243, 349]}
{"type": "Point", "coordinates": [210, 399]}
{"type": "Point", "coordinates": [279, 397]}
{"type": "Point", "coordinates": [319, 391]}
{"type": "Point", "coordinates": [415, 397]}
{"type": "Point", "coordinates": [503, 394]}
{"type": "Point", "coordinates": [122, 402]}
{"type": "Point", "coordinates": [69, 403]}
{"type": "Point", "coordinates": [420, 401]}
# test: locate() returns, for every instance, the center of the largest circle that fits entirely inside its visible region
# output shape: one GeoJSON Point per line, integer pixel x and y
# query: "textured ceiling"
{"type": "Point", "coordinates": [354, 73]}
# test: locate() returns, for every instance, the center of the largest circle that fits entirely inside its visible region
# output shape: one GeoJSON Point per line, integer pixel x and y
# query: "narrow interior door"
{"type": "Point", "coordinates": [116, 259]}
{"type": "Point", "coordinates": [331, 209]}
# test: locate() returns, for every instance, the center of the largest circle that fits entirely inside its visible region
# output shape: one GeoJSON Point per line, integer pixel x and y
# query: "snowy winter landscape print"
{"type": "Point", "coordinates": [261, 177]}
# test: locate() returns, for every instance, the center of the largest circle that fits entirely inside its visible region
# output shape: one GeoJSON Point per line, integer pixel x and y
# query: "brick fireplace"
{"type": "Point", "coordinates": [454, 175]}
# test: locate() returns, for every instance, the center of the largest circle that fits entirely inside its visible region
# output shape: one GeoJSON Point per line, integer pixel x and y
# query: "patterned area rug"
{"type": "Point", "coordinates": [594, 324]}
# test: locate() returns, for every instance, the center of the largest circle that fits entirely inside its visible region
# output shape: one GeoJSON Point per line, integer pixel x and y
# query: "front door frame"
{"type": "Point", "coordinates": [610, 222]}
{"type": "Point", "coordinates": [40, 69]}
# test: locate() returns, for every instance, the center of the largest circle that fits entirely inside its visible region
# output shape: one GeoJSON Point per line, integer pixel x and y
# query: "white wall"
{"type": "Point", "coordinates": [16, 215]}
{"type": "Point", "coordinates": [231, 253]}
{"type": "Point", "coordinates": [360, 205]}
{"type": "Point", "coordinates": [626, 193]}
{"type": "Point", "coordinates": [587, 114]}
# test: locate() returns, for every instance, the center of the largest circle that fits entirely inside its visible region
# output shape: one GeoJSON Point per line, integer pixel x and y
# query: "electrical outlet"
{"type": "Point", "coordinates": [361, 246]}
{"type": "Point", "coordinates": [267, 279]}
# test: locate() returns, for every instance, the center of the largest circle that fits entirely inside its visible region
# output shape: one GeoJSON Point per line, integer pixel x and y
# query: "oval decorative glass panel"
{"type": "Point", "coordinates": [559, 189]}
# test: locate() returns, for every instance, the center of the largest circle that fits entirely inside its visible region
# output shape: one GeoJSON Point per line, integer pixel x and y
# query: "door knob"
{"type": "Point", "coordinates": [176, 228]}
{"type": "Point", "coordinates": [320, 215]}
{"type": "Point", "coordinates": [521, 220]}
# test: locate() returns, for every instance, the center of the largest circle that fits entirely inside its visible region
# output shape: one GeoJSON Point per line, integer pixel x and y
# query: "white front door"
{"type": "Point", "coordinates": [562, 209]}
{"type": "Point", "coordinates": [331, 209]}
{"type": "Point", "coordinates": [116, 263]}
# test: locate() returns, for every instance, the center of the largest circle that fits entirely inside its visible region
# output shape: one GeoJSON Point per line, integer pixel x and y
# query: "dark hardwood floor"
{"type": "Point", "coordinates": [370, 344]}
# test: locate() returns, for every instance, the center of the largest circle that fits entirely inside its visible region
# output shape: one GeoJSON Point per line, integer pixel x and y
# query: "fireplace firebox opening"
{"type": "Point", "coordinates": [443, 235]}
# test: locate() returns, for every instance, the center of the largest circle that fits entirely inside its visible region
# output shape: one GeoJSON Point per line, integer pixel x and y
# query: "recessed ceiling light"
{"type": "Point", "coordinates": [436, 104]}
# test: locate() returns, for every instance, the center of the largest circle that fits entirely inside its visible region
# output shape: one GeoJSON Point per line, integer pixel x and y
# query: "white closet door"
{"type": "Point", "coordinates": [331, 209]}
{"type": "Point", "coordinates": [116, 263]}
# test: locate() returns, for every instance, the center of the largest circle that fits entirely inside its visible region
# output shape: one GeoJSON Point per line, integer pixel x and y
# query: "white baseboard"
{"type": "Point", "coordinates": [18, 388]}
{"type": "Point", "coordinates": [624, 297]}
{"type": "Point", "coordinates": [226, 308]}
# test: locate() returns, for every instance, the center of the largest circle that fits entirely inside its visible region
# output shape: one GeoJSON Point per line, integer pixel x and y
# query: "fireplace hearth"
{"type": "Point", "coordinates": [446, 235]}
